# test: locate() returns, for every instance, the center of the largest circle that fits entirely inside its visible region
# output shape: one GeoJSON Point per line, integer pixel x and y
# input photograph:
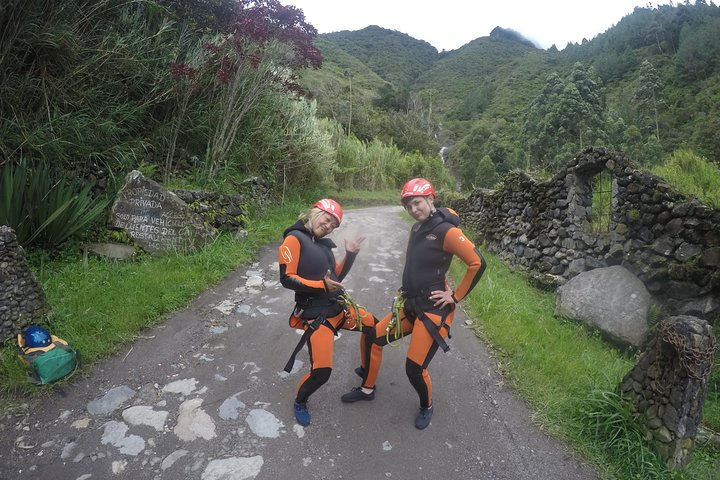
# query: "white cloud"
{"type": "Point", "coordinates": [451, 24]}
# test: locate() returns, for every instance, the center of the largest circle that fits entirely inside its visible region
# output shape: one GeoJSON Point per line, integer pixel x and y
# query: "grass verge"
{"type": "Point", "coordinates": [568, 376]}
{"type": "Point", "coordinates": [101, 306]}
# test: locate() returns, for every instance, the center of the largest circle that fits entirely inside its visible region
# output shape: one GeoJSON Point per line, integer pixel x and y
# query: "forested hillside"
{"type": "Point", "coordinates": [206, 93]}
{"type": "Point", "coordinates": [404, 58]}
{"type": "Point", "coordinates": [649, 86]}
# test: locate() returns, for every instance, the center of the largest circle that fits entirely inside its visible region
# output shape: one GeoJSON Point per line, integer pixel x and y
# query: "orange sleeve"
{"type": "Point", "coordinates": [458, 244]}
{"type": "Point", "coordinates": [339, 266]}
{"type": "Point", "coordinates": [288, 259]}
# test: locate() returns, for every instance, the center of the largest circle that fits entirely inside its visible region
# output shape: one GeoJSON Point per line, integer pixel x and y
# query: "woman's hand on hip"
{"type": "Point", "coordinates": [442, 298]}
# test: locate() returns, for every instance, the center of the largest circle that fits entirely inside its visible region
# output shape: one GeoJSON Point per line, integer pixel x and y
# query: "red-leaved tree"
{"type": "Point", "coordinates": [263, 51]}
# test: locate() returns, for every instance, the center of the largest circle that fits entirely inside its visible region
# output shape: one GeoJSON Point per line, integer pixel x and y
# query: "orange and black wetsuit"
{"type": "Point", "coordinates": [304, 261]}
{"type": "Point", "coordinates": [431, 247]}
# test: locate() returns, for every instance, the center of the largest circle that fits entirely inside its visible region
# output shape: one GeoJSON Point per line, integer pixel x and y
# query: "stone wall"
{"type": "Point", "coordinates": [22, 300]}
{"type": "Point", "coordinates": [669, 241]}
{"type": "Point", "coordinates": [667, 386]}
{"type": "Point", "coordinates": [227, 213]}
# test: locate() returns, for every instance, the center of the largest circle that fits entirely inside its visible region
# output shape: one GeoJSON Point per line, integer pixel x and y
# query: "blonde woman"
{"type": "Point", "coordinates": [308, 267]}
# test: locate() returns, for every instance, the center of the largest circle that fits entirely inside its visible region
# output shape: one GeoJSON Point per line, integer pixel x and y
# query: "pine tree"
{"type": "Point", "coordinates": [589, 108]}
{"type": "Point", "coordinates": [560, 118]}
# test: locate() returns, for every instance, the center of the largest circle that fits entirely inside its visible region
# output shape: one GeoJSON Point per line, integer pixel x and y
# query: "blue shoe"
{"type": "Point", "coordinates": [357, 394]}
{"type": "Point", "coordinates": [423, 418]}
{"type": "Point", "coordinates": [360, 372]}
{"type": "Point", "coordinates": [301, 414]}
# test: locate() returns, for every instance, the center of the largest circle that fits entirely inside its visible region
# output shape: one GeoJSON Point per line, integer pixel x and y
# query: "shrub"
{"type": "Point", "coordinates": [43, 211]}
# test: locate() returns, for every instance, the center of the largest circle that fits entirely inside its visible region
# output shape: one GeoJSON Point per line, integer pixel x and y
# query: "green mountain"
{"type": "Point", "coordinates": [474, 72]}
{"type": "Point", "coordinates": [647, 86]}
{"type": "Point", "coordinates": [394, 56]}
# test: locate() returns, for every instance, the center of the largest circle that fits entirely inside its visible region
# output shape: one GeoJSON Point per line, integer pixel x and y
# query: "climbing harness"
{"type": "Point", "coordinates": [434, 330]}
{"type": "Point", "coordinates": [312, 326]}
{"type": "Point", "coordinates": [348, 305]}
{"type": "Point", "coordinates": [413, 314]}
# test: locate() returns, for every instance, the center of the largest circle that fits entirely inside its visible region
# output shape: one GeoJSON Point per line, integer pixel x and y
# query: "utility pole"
{"type": "Point", "coordinates": [349, 75]}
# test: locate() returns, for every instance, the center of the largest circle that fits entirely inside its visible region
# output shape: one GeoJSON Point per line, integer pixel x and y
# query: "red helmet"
{"type": "Point", "coordinates": [330, 206]}
{"type": "Point", "coordinates": [417, 187]}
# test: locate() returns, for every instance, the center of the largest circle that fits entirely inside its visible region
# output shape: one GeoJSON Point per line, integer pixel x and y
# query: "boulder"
{"type": "Point", "coordinates": [611, 299]}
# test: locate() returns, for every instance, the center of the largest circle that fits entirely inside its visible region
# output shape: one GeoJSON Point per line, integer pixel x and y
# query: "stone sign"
{"type": "Point", "coordinates": [156, 219]}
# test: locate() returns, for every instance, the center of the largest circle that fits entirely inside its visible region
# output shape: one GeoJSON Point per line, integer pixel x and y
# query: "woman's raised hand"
{"type": "Point", "coordinates": [353, 246]}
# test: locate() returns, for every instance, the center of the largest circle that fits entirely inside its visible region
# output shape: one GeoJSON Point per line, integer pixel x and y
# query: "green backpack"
{"type": "Point", "coordinates": [51, 363]}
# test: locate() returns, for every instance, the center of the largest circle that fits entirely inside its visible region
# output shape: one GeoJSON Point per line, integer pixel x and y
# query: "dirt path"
{"type": "Point", "coordinates": [203, 396]}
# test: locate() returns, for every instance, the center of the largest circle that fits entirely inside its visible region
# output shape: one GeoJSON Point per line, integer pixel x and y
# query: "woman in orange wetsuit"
{"type": "Point", "coordinates": [428, 303]}
{"type": "Point", "coordinates": [308, 267]}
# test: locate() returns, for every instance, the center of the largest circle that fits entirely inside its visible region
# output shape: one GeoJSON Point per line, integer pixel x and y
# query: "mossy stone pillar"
{"type": "Point", "coordinates": [668, 385]}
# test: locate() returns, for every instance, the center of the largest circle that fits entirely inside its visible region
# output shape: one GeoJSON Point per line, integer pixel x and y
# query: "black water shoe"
{"type": "Point", "coordinates": [357, 394]}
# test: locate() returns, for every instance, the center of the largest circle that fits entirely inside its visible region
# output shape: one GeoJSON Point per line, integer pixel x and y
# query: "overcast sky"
{"type": "Point", "coordinates": [450, 24]}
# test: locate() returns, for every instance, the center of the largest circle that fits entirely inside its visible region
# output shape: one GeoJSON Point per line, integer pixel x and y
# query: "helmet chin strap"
{"type": "Point", "coordinates": [431, 204]}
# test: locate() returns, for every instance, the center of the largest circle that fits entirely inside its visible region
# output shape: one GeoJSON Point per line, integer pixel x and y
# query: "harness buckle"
{"type": "Point", "coordinates": [315, 323]}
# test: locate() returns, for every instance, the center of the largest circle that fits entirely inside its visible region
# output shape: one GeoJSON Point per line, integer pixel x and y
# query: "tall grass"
{"type": "Point", "coordinates": [284, 143]}
{"type": "Point", "coordinates": [351, 159]}
{"type": "Point", "coordinates": [78, 80]}
{"type": "Point", "coordinates": [307, 155]}
{"type": "Point", "coordinates": [606, 418]}
{"type": "Point", "coordinates": [692, 174]}
{"type": "Point", "coordinates": [377, 166]}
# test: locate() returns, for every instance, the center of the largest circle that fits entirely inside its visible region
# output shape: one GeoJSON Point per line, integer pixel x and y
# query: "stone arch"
{"type": "Point", "coordinates": [581, 191]}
